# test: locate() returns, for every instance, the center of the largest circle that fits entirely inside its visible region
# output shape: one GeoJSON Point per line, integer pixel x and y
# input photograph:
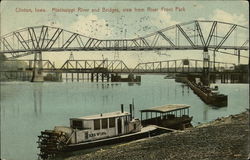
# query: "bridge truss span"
{"type": "Point", "coordinates": [110, 66]}
{"type": "Point", "coordinates": [181, 66]}
{"type": "Point", "coordinates": [118, 66]}
{"type": "Point", "coordinates": [194, 35]}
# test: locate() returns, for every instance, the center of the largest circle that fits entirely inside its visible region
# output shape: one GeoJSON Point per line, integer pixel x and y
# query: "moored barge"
{"type": "Point", "coordinates": [173, 116]}
{"type": "Point", "coordinates": [130, 78]}
{"type": "Point", "coordinates": [208, 95]}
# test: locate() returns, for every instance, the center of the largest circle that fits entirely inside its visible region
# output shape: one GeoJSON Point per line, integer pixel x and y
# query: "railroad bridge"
{"type": "Point", "coordinates": [102, 69]}
{"type": "Point", "coordinates": [203, 35]}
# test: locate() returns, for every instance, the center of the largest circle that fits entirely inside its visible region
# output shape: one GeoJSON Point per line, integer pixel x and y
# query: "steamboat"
{"type": "Point", "coordinates": [93, 131]}
{"type": "Point", "coordinates": [109, 128]}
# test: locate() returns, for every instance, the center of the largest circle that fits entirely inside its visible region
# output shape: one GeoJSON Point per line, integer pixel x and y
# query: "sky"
{"type": "Point", "coordinates": [83, 18]}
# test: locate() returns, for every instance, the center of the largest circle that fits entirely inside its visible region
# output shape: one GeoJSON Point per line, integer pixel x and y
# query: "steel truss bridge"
{"type": "Point", "coordinates": [201, 35]}
{"type": "Point", "coordinates": [194, 35]}
{"type": "Point", "coordinates": [183, 66]}
{"type": "Point", "coordinates": [118, 66]}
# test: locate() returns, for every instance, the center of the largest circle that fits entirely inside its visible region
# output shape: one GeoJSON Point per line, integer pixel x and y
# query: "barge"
{"type": "Point", "coordinates": [169, 76]}
{"type": "Point", "coordinates": [173, 116]}
{"type": "Point", "coordinates": [93, 131]}
{"type": "Point", "coordinates": [208, 95]}
{"type": "Point", "coordinates": [130, 78]}
{"type": "Point", "coordinates": [181, 78]}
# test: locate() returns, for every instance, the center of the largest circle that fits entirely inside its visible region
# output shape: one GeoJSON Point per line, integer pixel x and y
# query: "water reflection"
{"type": "Point", "coordinates": [182, 89]}
{"type": "Point", "coordinates": [105, 100]}
{"type": "Point", "coordinates": [205, 111]}
{"type": "Point", "coordinates": [175, 91]}
{"type": "Point", "coordinates": [25, 102]}
{"type": "Point", "coordinates": [134, 83]}
{"type": "Point", "coordinates": [185, 89]}
{"type": "Point", "coordinates": [37, 98]}
{"type": "Point", "coordinates": [105, 85]}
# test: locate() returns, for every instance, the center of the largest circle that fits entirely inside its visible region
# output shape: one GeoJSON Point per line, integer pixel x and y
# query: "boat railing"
{"type": "Point", "coordinates": [157, 120]}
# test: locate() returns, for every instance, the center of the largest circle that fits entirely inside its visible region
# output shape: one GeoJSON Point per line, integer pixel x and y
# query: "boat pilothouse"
{"type": "Point", "coordinates": [100, 126]}
{"type": "Point", "coordinates": [89, 131]}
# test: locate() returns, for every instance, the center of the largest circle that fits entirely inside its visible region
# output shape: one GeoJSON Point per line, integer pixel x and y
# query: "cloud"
{"type": "Point", "coordinates": [163, 20]}
{"type": "Point", "coordinates": [150, 24]}
{"type": "Point", "coordinates": [91, 26]}
{"type": "Point", "coordinates": [221, 15]}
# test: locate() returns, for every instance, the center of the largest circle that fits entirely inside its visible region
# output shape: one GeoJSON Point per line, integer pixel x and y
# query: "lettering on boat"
{"type": "Point", "coordinates": [97, 134]}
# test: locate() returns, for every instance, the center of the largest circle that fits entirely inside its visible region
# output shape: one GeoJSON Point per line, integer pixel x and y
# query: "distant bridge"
{"type": "Point", "coordinates": [182, 66]}
{"type": "Point", "coordinates": [81, 70]}
{"type": "Point", "coordinates": [118, 66]}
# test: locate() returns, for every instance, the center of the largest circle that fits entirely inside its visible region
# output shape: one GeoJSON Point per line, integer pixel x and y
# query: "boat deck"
{"type": "Point", "coordinates": [146, 129]}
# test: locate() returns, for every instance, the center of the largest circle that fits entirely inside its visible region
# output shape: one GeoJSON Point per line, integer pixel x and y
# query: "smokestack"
{"type": "Point", "coordinates": [131, 111]}
{"type": "Point", "coordinates": [122, 108]}
{"type": "Point", "coordinates": [133, 105]}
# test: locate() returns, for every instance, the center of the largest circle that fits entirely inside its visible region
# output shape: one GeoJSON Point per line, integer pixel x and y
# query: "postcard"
{"type": "Point", "coordinates": [124, 79]}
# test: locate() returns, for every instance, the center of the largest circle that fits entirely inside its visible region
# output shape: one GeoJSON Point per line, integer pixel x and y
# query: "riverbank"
{"type": "Point", "coordinates": [223, 139]}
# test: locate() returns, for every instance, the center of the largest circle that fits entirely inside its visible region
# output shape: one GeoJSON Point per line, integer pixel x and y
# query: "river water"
{"type": "Point", "coordinates": [28, 108]}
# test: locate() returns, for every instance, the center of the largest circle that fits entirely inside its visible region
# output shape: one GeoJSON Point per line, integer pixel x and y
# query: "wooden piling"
{"type": "Point", "coordinates": [97, 77]}
{"type": "Point", "coordinates": [92, 77]}
{"type": "Point", "coordinates": [102, 76]}
{"type": "Point", "coordinates": [108, 77]}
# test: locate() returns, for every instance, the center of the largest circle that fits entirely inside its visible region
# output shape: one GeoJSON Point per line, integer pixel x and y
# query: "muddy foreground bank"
{"type": "Point", "coordinates": [223, 139]}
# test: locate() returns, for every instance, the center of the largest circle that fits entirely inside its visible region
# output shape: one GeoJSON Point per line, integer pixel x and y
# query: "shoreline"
{"type": "Point", "coordinates": [226, 138]}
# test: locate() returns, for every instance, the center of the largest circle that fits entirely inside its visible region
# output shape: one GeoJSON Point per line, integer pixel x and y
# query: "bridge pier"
{"type": "Point", "coordinates": [222, 78]}
{"type": "Point", "coordinates": [205, 76]}
{"type": "Point", "coordinates": [225, 78]}
{"type": "Point", "coordinates": [77, 77]}
{"type": "Point", "coordinates": [37, 69]}
{"type": "Point", "coordinates": [92, 77]}
{"type": "Point", "coordinates": [108, 77]}
{"type": "Point", "coordinates": [97, 77]}
{"type": "Point", "coordinates": [212, 78]}
{"type": "Point", "coordinates": [102, 77]}
{"type": "Point", "coordinates": [232, 78]}
{"type": "Point", "coordinates": [214, 61]}
{"type": "Point", "coordinates": [238, 57]}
